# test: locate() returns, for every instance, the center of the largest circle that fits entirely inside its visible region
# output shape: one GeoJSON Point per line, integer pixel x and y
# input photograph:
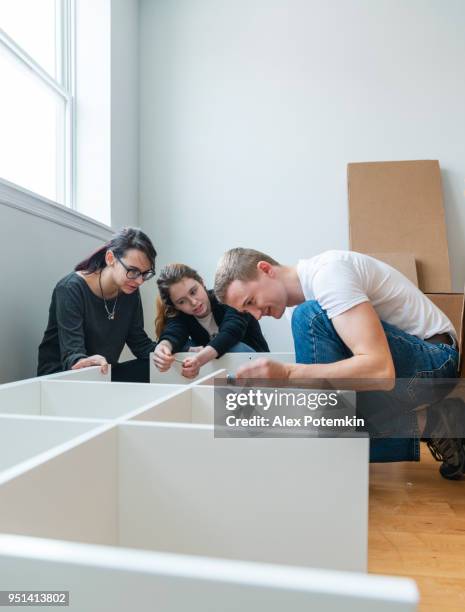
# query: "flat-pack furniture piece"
{"type": "Point", "coordinates": [175, 488]}
{"type": "Point", "coordinates": [92, 373]}
{"type": "Point", "coordinates": [24, 437]}
{"type": "Point", "coordinates": [229, 362]}
{"type": "Point", "coordinates": [102, 579]}
{"type": "Point", "coordinates": [80, 399]}
{"type": "Point", "coordinates": [125, 484]}
{"type": "Point", "coordinates": [190, 404]}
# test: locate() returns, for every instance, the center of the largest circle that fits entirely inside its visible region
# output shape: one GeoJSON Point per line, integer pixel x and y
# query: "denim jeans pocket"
{"type": "Point", "coordinates": [452, 349]}
{"type": "Point", "coordinates": [430, 386]}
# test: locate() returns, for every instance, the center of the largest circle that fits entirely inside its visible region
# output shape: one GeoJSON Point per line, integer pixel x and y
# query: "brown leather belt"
{"type": "Point", "coordinates": [441, 339]}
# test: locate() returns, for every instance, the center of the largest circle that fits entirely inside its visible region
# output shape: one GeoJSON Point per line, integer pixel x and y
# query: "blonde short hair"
{"type": "Point", "coordinates": [238, 264]}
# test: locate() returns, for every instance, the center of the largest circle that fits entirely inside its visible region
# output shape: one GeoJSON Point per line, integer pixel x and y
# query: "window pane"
{"type": "Point", "coordinates": [32, 120]}
{"type": "Point", "coordinates": [31, 24]}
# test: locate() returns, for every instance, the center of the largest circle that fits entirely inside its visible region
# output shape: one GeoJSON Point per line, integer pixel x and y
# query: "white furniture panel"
{"type": "Point", "coordinates": [24, 396]}
{"type": "Point", "coordinates": [192, 405]}
{"type": "Point", "coordinates": [203, 404]}
{"type": "Point", "coordinates": [80, 399]}
{"type": "Point", "coordinates": [92, 373]}
{"type": "Point", "coordinates": [23, 437]}
{"type": "Point", "coordinates": [175, 488]}
{"type": "Point", "coordinates": [21, 397]}
{"type": "Point", "coordinates": [174, 409]}
{"type": "Point", "coordinates": [71, 495]}
{"type": "Point", "coordinates": [101, 579]}
{"type": "Point", "coordinates": [291, 501]}
{"type": "Point", "coordinates": [99, 400]}
{"type": "Point", "coordinates": [229, 362]}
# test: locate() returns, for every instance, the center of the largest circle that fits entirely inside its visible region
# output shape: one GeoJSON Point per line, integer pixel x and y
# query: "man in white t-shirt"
{"type": "Point", "coordinates": [354, 317]}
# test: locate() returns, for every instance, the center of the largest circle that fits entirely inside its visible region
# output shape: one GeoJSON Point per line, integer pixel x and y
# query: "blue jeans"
{"type": "Point", "coordinates": [415, 360]}
{"type": "Point", "coordinates": [241, 347]}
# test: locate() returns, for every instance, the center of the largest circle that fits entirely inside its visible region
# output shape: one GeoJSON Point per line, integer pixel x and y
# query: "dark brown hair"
{"type": "Point", "coordinates": [169, 275]}
{"type": "Point", "coordinates": [124, 240]}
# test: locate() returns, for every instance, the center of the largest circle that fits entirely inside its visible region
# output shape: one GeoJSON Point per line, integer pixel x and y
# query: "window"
{"type": "Point", "coordinates": [36, 103]}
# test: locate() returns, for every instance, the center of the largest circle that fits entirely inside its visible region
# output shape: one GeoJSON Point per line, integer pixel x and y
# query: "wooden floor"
{"type": "Point", "coordinates": [417, 529]}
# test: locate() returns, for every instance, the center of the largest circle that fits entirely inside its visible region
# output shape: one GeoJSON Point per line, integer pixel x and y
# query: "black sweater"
{"type": "Point", "coordinates": [78, 326]}
{"type": "Point", "coordinates": [233, 327]}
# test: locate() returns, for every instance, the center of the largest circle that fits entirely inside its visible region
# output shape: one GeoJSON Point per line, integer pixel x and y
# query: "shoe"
{"type": "Point", "coordinates": [446, 420]}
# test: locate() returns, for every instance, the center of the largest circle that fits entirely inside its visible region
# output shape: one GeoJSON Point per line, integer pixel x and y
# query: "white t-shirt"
{"type": "Point", "coordinates": [339, 280]}
{"type": "Point", "coordinates": [209, 324]}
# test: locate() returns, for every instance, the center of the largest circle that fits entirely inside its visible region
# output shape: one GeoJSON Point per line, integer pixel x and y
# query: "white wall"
{"type": "Point", "coordinates": [93, 109]}
{"type": "Point", "coordinates": [250, 111]}
{"type": "Point", "coordinates": [124, 113]}
{"type": "Point", "coordinates": [107, 117]}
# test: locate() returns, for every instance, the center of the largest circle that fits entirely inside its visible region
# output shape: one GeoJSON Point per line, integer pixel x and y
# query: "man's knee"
{"type": "Point", "coordinates": [305, 313]}
{"type": "Point", "coordinates": [315, 339]}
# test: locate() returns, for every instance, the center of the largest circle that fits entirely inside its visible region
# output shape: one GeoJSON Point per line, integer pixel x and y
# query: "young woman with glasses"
{"type": "Point", "coordinates": [97, 309]}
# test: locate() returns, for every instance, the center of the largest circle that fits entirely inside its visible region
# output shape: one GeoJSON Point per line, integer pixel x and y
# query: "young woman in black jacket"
{"type": "Point", "coordinates": [190, 318]}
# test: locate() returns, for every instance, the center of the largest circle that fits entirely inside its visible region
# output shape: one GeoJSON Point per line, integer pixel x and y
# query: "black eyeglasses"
{"type": "Point", "coordinates": [134, 273]}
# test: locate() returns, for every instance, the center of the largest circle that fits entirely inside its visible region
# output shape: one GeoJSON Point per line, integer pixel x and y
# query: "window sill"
{"type": "Point", "coordinates": [17, 197]}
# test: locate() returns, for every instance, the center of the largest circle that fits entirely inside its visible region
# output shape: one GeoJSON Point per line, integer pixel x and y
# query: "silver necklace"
{"type": "Point", "coordinates": [110, 313]}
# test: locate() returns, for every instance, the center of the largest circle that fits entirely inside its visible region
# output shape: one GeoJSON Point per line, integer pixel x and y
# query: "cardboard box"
{"type": "Point", "coordinates": [396, 212]}
{"type": "Point", "coordinates": [397, 207]}
{"type": "Point", "coordinates": [453, 305]}
{"type": "Point", "coordinates": [404, 262]}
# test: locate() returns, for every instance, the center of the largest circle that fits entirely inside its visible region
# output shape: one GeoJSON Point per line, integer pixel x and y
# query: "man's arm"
{"type": "Point", "coordinates": [361, 331]}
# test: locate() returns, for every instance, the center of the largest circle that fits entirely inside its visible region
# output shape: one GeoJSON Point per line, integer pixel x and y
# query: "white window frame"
{"type": "Point", "coordinates": [64, 86]}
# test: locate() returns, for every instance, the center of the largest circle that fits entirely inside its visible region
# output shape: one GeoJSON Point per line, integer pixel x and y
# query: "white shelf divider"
{"type": "Point", "coordinates": [100, 579]}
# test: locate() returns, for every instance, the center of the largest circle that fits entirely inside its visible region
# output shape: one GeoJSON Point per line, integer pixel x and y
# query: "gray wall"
{"type": "Point", "coordinates": [107, 93]}
{"type": "Point", "coordinates": [34, 253]}
{"type": "Point", "coordinates": [250, 111]}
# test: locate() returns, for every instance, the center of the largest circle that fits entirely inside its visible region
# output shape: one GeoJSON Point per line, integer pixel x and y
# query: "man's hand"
{"type": "Point", "coordinates": [190, 367]}
{"type": "Point", "coordinates": [93, 360]}
{"type": "Point", "coordinates": [264, 368]}
{"type": "Point", "coordinates": [163, 358]}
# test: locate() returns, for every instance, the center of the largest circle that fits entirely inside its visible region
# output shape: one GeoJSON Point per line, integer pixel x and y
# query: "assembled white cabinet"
{"type": "Point", "coordinates": [121, 494]}
{"type": "Point", "coordinates": [175, 488]}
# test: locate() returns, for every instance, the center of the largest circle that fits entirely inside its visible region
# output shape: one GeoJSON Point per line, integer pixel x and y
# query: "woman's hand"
{"type": "Point", "coordinates": [93, 360]}
{"type": "Point", "coordinates": [163, 358]}
{"type": "Point", "coordinates": [190, 367]}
